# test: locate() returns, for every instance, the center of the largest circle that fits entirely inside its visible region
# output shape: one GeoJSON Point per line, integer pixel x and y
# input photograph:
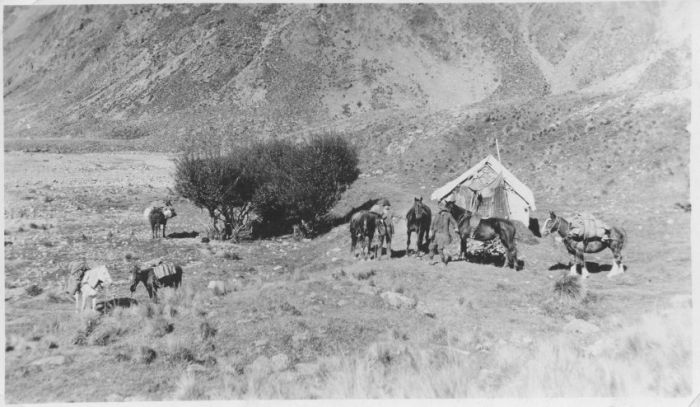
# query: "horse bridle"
{"type": "Point", "coordinates": [555, 224]}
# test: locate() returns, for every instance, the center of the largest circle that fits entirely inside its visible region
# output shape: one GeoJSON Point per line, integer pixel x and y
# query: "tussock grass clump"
{"type": "Point", "coordinates": [107, 333]}
{"type": "Point", "coordinates": [89, 324]}
{"type": "Point", "coordinates": [57, 296]}
{"type": "Point", "coordinates": [650, 358]}
{"type": "Point", "coordinates": [230, 255]}
{"type": "Point", "coordinates": [569, 297]}
{"type": "Point", "coordinates": [182, 298]}
{"type": "Point", "coordinates": [189, 389]}
{"type": "Point", "coordinates": [180, 349]}
{"type": "Point", "coordinates": [568, 287]}
{"type": "Point", "coordinates": [147, 310]}
{"type": "Point", "coordinates": [146, 355]}
{"type": "Point", "coordinates": [33, 290]}
{"type": "Point", "coordinates": [206, 331]}
{"type": "Point", "coordinates": [159, 327]}
{"type": "Point", "coordinates": [365, 274]}
{"type": "Point", "coordinates": [397, 370]}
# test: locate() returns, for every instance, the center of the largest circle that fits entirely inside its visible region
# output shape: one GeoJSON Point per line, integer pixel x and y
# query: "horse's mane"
{"type": "Point", "coordinates": [417, 211]}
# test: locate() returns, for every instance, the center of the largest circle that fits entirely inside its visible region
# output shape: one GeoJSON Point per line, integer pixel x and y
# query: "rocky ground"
{"type": "Point", "coordinates": [291, 310]}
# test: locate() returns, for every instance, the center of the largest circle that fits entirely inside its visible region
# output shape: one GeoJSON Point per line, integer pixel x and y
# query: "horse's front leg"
{"type": "Point", "coordinates": [462, 248]}
{"type": "Point", "coordinates": [579, 260]}
{"type": "Point", "coordinates": [408, 242]}
{"type": "Point", "coordinates": [584, 270]}
{"type": "Point", "coordinates": [420, 236]}
{"type": "Point", "coordinates": [573, 262]}
{"type": "Point", "coordinates": [94, 303]}
{"type": "Point", "coordinates": [617, 267]}
{"type": "Point", "coordinates": [77, 302]}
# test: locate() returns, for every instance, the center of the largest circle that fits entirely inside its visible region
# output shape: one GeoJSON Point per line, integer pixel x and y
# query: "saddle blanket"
{"type": "Point", "coordinates": [164, 270]}
{"type": "Point", "coordinates": [587, 226]}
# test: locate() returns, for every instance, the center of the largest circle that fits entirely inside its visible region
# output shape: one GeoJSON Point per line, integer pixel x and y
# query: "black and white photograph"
{"type": "Point", "coordinates": [395, 202]}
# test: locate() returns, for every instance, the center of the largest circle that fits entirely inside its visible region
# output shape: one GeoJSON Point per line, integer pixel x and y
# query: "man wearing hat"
{"type": "Point", "coordinates": [440, 228]}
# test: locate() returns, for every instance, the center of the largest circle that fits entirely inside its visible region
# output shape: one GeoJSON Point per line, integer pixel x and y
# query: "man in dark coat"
{"type": "Point", "coordinates": [440, 231]}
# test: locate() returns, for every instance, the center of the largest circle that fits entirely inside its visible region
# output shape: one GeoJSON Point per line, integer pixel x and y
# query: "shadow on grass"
{"type": "Point", "coordinates": [183, 235]}
{"type": "Point", "coordinates": [111, 305]}
{"type": "Point", "coordinates": [591, 266]}
{"type": "Point", "coordinates": [559, 266]}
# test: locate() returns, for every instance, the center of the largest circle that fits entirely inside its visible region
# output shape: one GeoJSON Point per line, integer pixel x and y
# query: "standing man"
{"type": "Point", "coordinates": [440, 229]}
{"type": "Point", "coordinates": [76, 270]}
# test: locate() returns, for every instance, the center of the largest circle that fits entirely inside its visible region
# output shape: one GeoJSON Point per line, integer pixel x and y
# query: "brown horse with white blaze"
{"type": "Point", "coordinates": [577, 248]}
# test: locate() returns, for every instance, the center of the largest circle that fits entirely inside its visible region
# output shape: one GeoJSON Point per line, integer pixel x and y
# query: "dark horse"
{"type": "Point", "coordinates": [363, 225]}
{"type": "Point", "coordinates": [577, 248]}
{"type": "Point", "coordinates": [472, 227]}
{"type": "Point", "coordinates": [148, 277]}
{"type": "Point", "coordinates": [158, 218]}
{"type": "Point", "coordinates": [418, 220]}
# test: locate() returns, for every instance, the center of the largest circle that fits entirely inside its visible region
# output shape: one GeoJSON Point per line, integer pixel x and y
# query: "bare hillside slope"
{"type": "Point", "coordinates": [153, 71]}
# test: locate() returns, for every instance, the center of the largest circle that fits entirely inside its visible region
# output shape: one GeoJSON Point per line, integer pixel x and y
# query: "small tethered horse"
{"type": "Point", "coordinates": [92, 281]}
{"type": "Point", "coordinates": [577, 248]}
{"type": "Point", "coordinates": [152, 282]}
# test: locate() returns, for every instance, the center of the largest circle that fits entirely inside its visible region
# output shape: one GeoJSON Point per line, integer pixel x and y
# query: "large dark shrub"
{"type": "Point", "coordinates": [285, 183]}
{"type": "Point", "coordinates": [300, 183]}
{"type": "Point", "coordinates": [218, 184]}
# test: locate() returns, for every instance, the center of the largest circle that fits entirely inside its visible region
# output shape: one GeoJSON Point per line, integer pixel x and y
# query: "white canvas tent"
{"type": "Point", "coordinates": [490, 190]}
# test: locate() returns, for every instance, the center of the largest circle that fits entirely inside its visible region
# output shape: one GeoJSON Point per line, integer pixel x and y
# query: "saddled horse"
{"type": "Point", "coordinates": [93, 280]}
{"type": "Point", "coordinates": [363, 225]}
{"type": "Point", "coordinates": [474, 227]}
{"type": "Point", "coordinates": [157, 216]}
{"type": "Point", "coordinates": [418, 220]}
{"type": "Point", "coordinates": [577, 248]}
{"type": "Point", "coordinates": [150, 280]}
